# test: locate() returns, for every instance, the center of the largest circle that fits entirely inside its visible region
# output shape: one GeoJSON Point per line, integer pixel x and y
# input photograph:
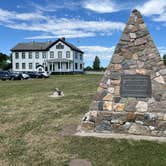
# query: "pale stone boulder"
{"type": "Point", "coordinates": [138, 129]}
{"type": "Point", "coordinates": [160, 80]}
{"type": "Point", "coordinates": [142, 106]}
{"type": "Point", "coordinates": [111, 90]}
{"type": "Point", "coordinates": [133, 35]}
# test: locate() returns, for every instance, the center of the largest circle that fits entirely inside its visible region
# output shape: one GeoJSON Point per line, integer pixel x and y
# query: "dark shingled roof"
{"type": "Point", "coordinates": [42, 46]}
{"type": "Point", "coordinates": [33, 46]}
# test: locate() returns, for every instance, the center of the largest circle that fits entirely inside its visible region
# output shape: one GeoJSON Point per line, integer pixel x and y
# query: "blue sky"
{"type": "Point", "coordinates": [93, 25]}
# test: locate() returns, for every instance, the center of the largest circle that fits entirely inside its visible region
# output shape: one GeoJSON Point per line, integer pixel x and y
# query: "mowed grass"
{"type": "Point", "coordinates": [35, 129]}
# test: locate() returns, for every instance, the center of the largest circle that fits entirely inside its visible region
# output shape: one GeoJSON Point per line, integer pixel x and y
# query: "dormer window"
{"type": "Point", "coordinates": [60, 46]}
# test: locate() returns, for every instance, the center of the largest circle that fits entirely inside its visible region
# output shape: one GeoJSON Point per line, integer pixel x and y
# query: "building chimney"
{"type": "Point", "coordinates": [63, 38]}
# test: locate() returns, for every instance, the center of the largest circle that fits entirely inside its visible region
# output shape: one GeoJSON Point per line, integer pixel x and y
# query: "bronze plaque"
{"type": "Point", "coordinates": [135, 86]}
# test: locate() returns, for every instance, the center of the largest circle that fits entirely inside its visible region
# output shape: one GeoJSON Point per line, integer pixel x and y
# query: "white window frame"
{"type": "Point", "coordinates": [60, 54]}
{"type": "Point", "coordinates": [44, 55]}
{"type": "Point", "coordinates": [23, 55]}
{"type": "Point", "coordinates": [23, 67]}
{"type": "Point", "coordinates": [30, 65]}
{"type": "Point", "coordinates": [51, 54]}
{"type": "Point", "coordinates": [16, 55]}
{"type": "Point", "coordinates": [17, 65]}
{"type": "Point", "coordinates": [30, 55]}
{"type": "Point", "coordinates": [67, 54]}
{"type": "Point", "coordinates": [37, 55]}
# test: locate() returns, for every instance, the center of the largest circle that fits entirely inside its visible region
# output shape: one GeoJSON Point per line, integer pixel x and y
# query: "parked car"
{"type": "Point", "coordinates": [15, 76]}
{"type": "Point", "coordinates": [4, 75]}
{"type": "Point", "coordinates": [44, 74]}
{"type": "Point", "coordinates": [33, 74]}
{"type": "Point", "coordinates": [25, 75]}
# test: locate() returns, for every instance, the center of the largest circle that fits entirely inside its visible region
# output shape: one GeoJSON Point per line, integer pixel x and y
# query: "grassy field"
{"type": "Point", "coordinates": [35, 129]}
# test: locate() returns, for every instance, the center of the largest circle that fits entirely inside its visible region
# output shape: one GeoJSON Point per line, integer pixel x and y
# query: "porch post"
{"type": "Point", "coordinates": [68, 66]}
{"type": "Point", "coordinates": [44, 66]}
{"type": "Point", "coordinates": [60, 66]}
{"type": "Point", "coordinates": [48, 67]}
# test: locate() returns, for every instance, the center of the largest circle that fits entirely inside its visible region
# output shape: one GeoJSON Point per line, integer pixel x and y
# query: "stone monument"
{"type": "Point", "coordinates": [131, 97]}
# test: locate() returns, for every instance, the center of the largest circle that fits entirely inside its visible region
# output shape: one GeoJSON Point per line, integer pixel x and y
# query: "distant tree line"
{"type": "Point", "coordinates": [4, 62]}
{"type": "Point", "coordinates": [96, 66]}
{"type": "Point", "coordinates": [164, 59]}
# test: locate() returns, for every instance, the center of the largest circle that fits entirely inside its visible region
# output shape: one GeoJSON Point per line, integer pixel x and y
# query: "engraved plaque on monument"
{"type": "Point", "coordinates": [135, 86]}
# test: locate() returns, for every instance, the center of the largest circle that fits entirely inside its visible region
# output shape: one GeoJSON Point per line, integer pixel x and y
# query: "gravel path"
{"type": "Point", "coordinates": [122, 136]}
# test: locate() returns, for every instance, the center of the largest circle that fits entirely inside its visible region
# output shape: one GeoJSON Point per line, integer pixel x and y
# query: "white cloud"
{"type": "Point", "coordinates": [104, 53]}
{"type": "Point", "coordinates": [155, 8]}
{"type": "Point", "coordinates": [161, 18]}
{"type": "Point", "coordinates": [73, 34]}
{"type": "Point", "coordinates": [46, 8]}
{"type": "Point", "coordinates": [55, 27]}
{"type": "Point", "coordinates": [152, 7]}
{"type": "Point", "coordinates": [54, 6]}
{"type": "Point", "coordinates": [101, 6]}
{"type": "Point", "coordinates": [10, 16]}
{"type": "Point", "coordinates": [29, 16]}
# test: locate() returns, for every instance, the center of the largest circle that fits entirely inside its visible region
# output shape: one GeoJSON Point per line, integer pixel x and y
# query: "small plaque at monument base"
{"type": "Point", "coordinates": [135, 86]}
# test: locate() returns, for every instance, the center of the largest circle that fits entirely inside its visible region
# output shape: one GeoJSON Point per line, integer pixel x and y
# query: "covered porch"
{"type": "Point", "coordinates": [59, 65]}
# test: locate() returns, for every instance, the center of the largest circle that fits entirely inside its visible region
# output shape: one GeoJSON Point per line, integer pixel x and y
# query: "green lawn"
{"type": "Point", "coordinates": [34, 128]}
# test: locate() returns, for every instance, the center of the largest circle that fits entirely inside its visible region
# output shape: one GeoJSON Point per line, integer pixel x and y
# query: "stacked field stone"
{"type": "Point", "coordinates": [135, 54]}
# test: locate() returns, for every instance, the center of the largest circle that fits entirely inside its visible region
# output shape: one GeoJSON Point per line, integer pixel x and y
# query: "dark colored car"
{"type": "Point", "coordinates": [5, 75]}
{"type": "Point", "coordinates": [15, 76]}
{"type": "Point", "coordinates": [34, 74]}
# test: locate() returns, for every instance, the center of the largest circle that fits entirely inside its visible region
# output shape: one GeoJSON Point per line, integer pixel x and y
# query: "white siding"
{"type": "Point", "coordinates": [66, 48]}
{"type": "Point", "coordinates": [34, 60]}
{"type": "Point", "coordinates": [42, 60]}
{"type": "Point", "coordinates": [78, 61]}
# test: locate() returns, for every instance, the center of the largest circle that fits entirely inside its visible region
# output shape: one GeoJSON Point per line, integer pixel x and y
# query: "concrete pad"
{"type": "Point", "coordinates": [121, 136]}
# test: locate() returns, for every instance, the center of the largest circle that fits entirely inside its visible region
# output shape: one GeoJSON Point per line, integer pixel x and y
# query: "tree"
{"type": "Point", "coordinates": [103, 68]}
{"type": "Point", "coordinates": [88, 68]}
{"type": "Point", "coordinates": [164, 59]}
{"type": "Point", "coordinates": [3, 61]}
{"type": "Point", "coordinates": [96, 63]}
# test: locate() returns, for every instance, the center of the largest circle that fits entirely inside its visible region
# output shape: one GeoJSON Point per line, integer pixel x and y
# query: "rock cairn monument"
{"type": "Point", "coordinates": [131, 97]}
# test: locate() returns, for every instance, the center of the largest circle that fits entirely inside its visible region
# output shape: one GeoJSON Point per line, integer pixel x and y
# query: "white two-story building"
{"type": "Point", "coordinates": [59, 56]}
